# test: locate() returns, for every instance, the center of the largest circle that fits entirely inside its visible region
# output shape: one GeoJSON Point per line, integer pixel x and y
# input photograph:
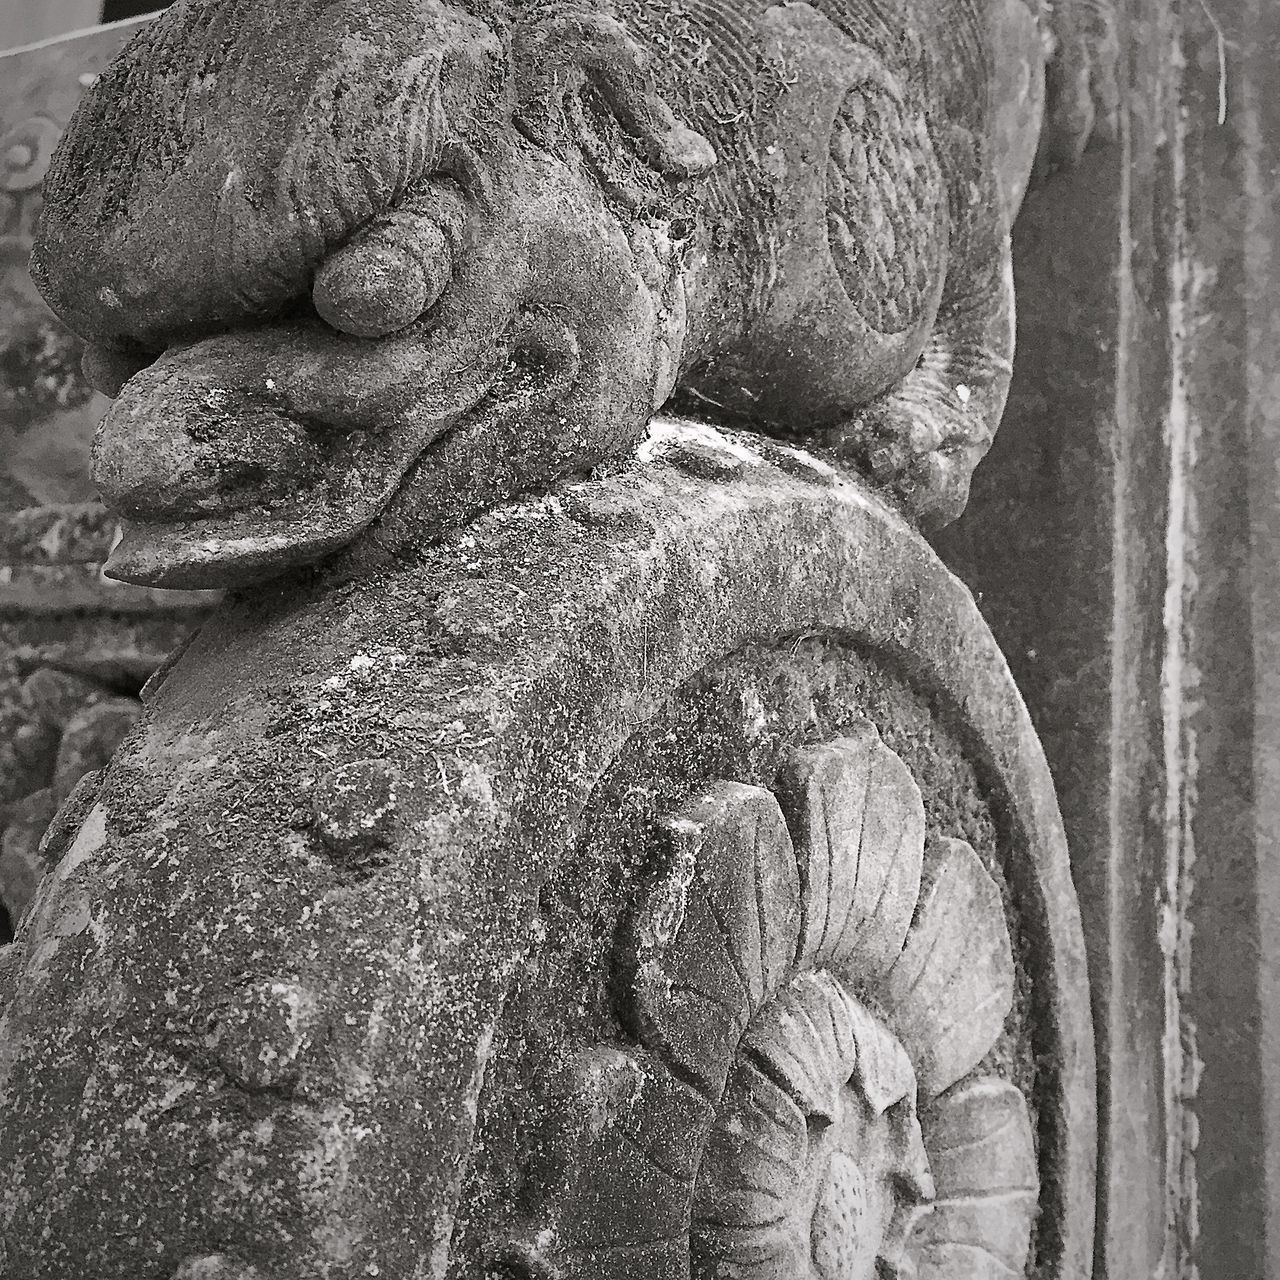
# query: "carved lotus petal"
{"type": "Point", "coordinates": [951, 988]}
{"type": "Point", "coordinates": [982, 1153]}
{"type": "Point", "coordinates": [858, 823]}
{"type": "Point", "coordinates": [633, 1127]}
{"type": "Point", "coordinates": [816, 1036]}
{"type": "Point", "coordinates": [756, 1156]}
{"type": "Point", "coordinates": [718, 933]}
{"type": "Point", "coordinates": [799, 989]}
{"type": "Point", "coordinates": [815, 1162]}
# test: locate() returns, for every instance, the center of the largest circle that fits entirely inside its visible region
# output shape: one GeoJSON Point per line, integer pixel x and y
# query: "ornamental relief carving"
{"type": "Point", "coordinates": [585, 844]}
{"type": "Point", "coordinates": [811, 994]}
{"type": "Point", "coordinates": [809, 1046]}
{"type": "Point", "coordinates": [552, 918]}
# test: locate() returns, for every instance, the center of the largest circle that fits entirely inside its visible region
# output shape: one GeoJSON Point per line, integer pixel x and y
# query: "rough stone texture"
{"type": "Point", "coordinates": [75, 649]}
{"type": "Point", "coordinates": [269, 1059]}
{"type": "Point", "coordinates": [479, 245]}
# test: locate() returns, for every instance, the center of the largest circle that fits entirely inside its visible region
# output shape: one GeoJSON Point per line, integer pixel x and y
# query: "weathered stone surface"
{"type": "Point", "coordinates": [432, 258]}
{"type": "Point", "coordinates": [479, 246]}
{"type": "Point", "coordinates": [354, 808]}
{"type": "Point", "coordinates": [21, 865]}
{"type": "Point", "coordinates": [298, 1056]}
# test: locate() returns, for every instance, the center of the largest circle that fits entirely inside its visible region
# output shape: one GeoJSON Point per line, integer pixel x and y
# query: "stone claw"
{"type": "Point", "coordinates": [566, 54]}
{"type": "Point", "coordinates": [922, 438]}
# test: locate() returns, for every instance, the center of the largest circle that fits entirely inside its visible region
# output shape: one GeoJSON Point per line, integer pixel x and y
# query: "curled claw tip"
{"type": "Point", "coordinates": [372, 291]}
{"type": "Point", "coordinates": [391, 271]}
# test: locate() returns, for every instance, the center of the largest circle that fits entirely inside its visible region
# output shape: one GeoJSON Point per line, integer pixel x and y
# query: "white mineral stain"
{"type": "Point", "coordinates": [476, 784]}
{"type": "Point", "coordinates": [376, 1024]}
{"type": "Point", "coordinates": [60, 911]}
{"type": "Point", "coordinates": [325, 1168]}
{"type": "Point", "coordinates": [754, 720]}
{"type": "Point", "coordinates": [89, 839]}
{"type": "Point", "coordinates": [667, 434]}
{"type": "Point", "coordinates": [808, 459]}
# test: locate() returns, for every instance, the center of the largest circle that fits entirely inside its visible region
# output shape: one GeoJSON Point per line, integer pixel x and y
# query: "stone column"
{"type": "Point", "coordinates": [1122, 543]}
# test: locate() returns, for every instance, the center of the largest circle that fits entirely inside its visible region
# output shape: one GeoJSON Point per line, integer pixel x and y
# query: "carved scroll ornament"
{"type": "Point", "coordinates": [476, 917]}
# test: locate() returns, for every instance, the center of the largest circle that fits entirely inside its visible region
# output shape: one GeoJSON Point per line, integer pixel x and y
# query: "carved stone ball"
{"type": "Point", "coordinates": [354, 808]}
{"type": "Point", "coordinates": [262, 1038]}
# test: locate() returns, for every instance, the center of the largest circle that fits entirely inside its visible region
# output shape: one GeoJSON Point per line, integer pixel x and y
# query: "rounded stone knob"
{"type": "Point", "coordinates": [354, 808]}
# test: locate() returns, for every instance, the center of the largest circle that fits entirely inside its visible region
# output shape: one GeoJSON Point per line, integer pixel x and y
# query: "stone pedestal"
{"type": "Point", "coordinates": [651, 855]}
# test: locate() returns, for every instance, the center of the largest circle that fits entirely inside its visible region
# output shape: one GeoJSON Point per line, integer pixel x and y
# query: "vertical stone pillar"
{"type": "Point", "coordinates": [1121, 540]}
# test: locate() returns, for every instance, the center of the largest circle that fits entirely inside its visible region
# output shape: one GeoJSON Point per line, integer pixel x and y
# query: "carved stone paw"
{"type": "Point", "coordinates": [923, 438]}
